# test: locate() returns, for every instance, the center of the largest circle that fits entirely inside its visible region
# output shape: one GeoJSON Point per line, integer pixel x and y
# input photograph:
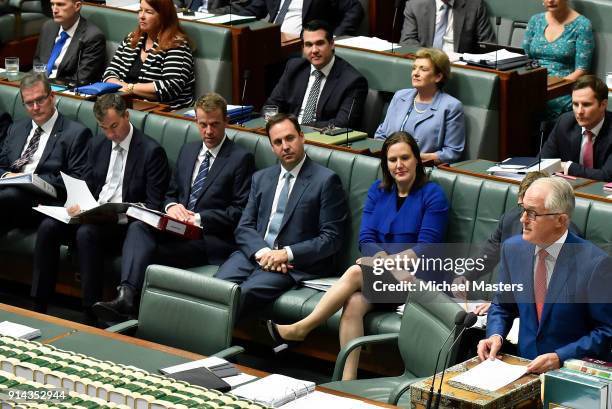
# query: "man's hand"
{"type": "Point", "coordinates": [461, 280]}
{"type": "Point", "coordinates": [74, 210]}
{"type": "Point", "coordinates": [275, 260]}
{"type": "Point", "coordinates": [482, 309]}
{"type": "Point", "coordinates": [429, 157]}
{"type": "Point", "coordinates": [11, 174]}
{"type": "Point", "coordinates": [544, 363]}
{"type": "Point", "coordinates": [488, 348]}
{"type": "Point", "coordinates": [179, 212]}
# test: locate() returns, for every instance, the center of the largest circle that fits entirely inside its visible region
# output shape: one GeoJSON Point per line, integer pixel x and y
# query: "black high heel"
{"type": "Point", "coordinates": [280, 343]}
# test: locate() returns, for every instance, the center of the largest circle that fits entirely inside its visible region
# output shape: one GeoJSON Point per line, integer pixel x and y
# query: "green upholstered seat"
{"type": "Point", "coordinates": [174, 306]}
{"type": "Point", "coordinates": [428, 319]}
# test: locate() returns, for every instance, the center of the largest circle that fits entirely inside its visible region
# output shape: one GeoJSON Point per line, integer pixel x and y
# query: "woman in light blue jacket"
{"type": "Point", "coordinates": [433, 117]}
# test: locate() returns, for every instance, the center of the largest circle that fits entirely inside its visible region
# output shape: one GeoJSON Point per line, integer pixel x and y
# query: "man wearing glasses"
{"type": "Point", "coordinates": [563, 306]}
{"type": "Point", "coordinates": [44, 144]}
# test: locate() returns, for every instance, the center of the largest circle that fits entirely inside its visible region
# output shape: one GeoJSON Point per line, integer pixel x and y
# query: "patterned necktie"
{"type": "Point", "coordinates": [441, 27]}
{"type": "Point", "coordinates": [587, 150]}
{"type": "Point", "coordinates": [57, 49]}
{"type": "Point", "coordinates": [282, 12]}
{"type": "Point", "coordinates": [116, 175]}
{"type": "Point", "coordinates": [540, 282]}
{"type": "Point", "coordinates": [198, 183]}
{"type": "Point", "coordinates": [18, 165]}
{"type": "Point", "coordinates": [277, 217]}
{"type": "Point", "coordinates": [310, 109]}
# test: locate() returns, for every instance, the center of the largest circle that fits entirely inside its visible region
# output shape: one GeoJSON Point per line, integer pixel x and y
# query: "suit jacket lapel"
{"type": "Point", "coordinates": [600, 147]}
{"type": "Point", "coordinates": [134, 157]}
{"type": "Point", "coordinates": [299, 187]}
{"type": "Point", "coordinates": [20, 142]}
{"type": "Point", "coordinates": [330, 84]}
{"type": "Point", "coordinates": [527, 258]}
{"type": "Point", "coordinates": [429, 13]}
{"type": "Point", "coordinates": [267, 198]}
{"type": "Point", "coordinates": [215, 169]}
{"type": "Point", "coordinates": [55, 134]}
{"type": "Point", "coordinates": [302, 85]}
{"type": "Point", "coordinates": [102, 163]}
{"type": "Point", "coordinates": [72, 50]}
{"type": "Point", "coordinates": [305, 8]}
{"type": "Point", "coordinates": [564, 265]}
{"type": "Point", "coordinates": [458, 19]}
{"type": "Point", "coordinates": [191, 157]}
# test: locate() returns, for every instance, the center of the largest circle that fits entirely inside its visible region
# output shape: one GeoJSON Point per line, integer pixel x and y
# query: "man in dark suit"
{"type": "Point", "coordinates": [292, 225]}
{"type": "Point", "coordinates": [124, 166]}
{"type": "Point", "coordinates": [321, 88]}
{"type": "Point", "coordinates": [451, 25]}
{"type": "Point", "coordinates": [209, 188]}
{"type": "Point", "coordinates": [583, 139]}
{"type": "Point", "coordinates": [555, 278]}
{"type": "Point", "coordinates": [64, 38]}
{"type": "Point", "coordinates": [46, 144]}
{"type": "Point", "coordinates": [344, 16]}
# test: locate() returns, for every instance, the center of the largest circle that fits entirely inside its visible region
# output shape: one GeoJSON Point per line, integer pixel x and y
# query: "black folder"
{"type": "Point", "coordinates": [202, 377]}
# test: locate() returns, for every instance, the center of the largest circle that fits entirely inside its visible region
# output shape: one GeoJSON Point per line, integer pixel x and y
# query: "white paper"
{"type": "Point", "coordinates": [206, 363]}
{"type": "Point", "coordinates": [491, 375]}
{"type": "Point", "coordinates": [18, 331]}
{"type": "Point", "coordinates": [239, 379]}
{"type": "Point", "coordinates": [319, 399]}
{"type": "Point", "coordinates": [227, 18]}
{"type": "Point", "coordinates": [132, 7]}
{"type": "Point", "coordinates": [198, 15]}
{"type": "Point", "coordinates": [491, 57]}
{"type": "Point", "coordinates": [321, 284]}
{"type": "Point", "coordinates": [57, 212]}
{"type": "Point", "coordinates": [77, 192]}
{"type": "Point", "coordinates": [275, 390]}
{"type": "Point", "coordinates": [368, 43]}
{"type": "Point", "coordinates": [547, 165]}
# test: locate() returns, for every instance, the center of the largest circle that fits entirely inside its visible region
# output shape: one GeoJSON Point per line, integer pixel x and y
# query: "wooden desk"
{"type": "Point", "coordinates": [118, 348]}
{"type": "Point", "coordinates": [557, 87]}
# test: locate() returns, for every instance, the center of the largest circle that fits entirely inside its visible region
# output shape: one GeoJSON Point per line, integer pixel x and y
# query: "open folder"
{"type": "Point", "coordinates": [163, 222]}
{"type": "Point", "coordinates": [31, 182]}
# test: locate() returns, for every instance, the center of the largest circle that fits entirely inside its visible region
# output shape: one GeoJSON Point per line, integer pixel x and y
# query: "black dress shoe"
{"type": "Point", "coordinates": [118, 310]}
{"type": "Point", "coordinates": [280, 343]}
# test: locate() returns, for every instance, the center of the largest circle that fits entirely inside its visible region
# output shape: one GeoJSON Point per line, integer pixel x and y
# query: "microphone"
{"type": "Point", "coordinates": [245, 78]}
{"type": "Point", "coordinates": [348, 121]}
{"type": "Point", "coordinates": [459, 320]}
{"type": "Point", "coordinates": [470, 319]}
{"type": "Point", "coordinates": [542, 128]}
{"type": "Point", "coordinates": [397, 6]}
{"type": "Point", "coordinates": [497, 24]}
{"type": "Point", "coordinates": [79, 52]}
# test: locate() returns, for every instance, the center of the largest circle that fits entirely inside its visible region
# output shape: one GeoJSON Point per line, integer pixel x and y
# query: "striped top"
{"type": "Point", "coordinates": [170, 71]}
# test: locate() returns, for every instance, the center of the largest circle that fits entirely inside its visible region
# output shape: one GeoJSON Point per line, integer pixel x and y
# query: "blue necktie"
{"type": "Point", "coordinates": [277, 217]}
{"type": "Point", "coordinates": [199, 182]}
{"type": "Point", "coordinates": [57, 49]}
{"type": "Point", "coordinates": [280, 17]}
{"type": "Point", "coordinates": [441, 28]}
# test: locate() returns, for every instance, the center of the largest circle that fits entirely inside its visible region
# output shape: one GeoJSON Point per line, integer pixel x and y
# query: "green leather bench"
{"type": "Point", "coordinates": [213, 46]}
{"type": "Point", "coordinates": [477, 90]}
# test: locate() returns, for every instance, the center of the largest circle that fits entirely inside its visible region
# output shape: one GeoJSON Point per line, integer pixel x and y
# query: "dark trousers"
{"type": "Point", "coordinates": [145, 245]}
{"type": "Point", "coordinates": [16, 207]}
{"type": "Point", "coordinates": [257, 287]}
{"type": "Point", "coordinates": [92, 243]}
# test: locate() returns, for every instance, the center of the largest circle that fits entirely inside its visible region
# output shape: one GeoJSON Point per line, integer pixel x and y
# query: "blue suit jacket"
{"type": "Point", "coordinates": [442, 131]}
{"type": "Point", "coordinates": [313, 222]}
{"type": "Point", "coordinates": [577, 316]}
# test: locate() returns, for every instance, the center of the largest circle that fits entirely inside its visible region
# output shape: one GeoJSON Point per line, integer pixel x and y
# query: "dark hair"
{"type": "Point", "coordinates": [170, 35]}
{"type": "Point", "coordinates": [595, 83]}
{"type": "Point", "coordinates": [529, 179]}
{"type": "Point", "coordinates": [211, 102]}
{"type": "Point", "coordinates": [280, 118]}
{"type": "Point", "coordinates": [398, 137]}
{"type": "Point", "coordinates": [315, 25]}
{"type": "Point", "coordinates": [106, 102]}
{"type": "Point", "coordinates": [29, 80]}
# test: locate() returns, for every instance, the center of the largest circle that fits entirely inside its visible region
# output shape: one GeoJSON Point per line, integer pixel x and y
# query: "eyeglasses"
{"type": "Point", "coordinates": [533, 215]}
{"type": "Point", "coordinates": [38, 101]}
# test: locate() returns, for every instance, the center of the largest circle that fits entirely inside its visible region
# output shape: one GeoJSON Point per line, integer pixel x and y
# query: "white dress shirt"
{"type": "Point", "coordinates": [325, 70]}
{"type": "Point", "coordinates": [551, 259]}
{"type": "Point", "coordinates": [448, 45]}
{"type": "Point", "coordinates": [117, 197]}
{"type": "Point", "coordinates": [47, 128]}
{"type": "Point", "coordinates": [279, 186]}
{"type": "Point", "coordinates": [595, 130]}
{"type": "Point", "coordinates": [59, 59]}
{"type": "Point", "coordinates": [293, 19]}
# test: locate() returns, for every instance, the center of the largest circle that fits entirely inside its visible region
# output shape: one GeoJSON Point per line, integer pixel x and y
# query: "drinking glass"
{"type": "Point", "coordinates": [269, 111]}
{"type": "Point", "coordinates": [11, 64]}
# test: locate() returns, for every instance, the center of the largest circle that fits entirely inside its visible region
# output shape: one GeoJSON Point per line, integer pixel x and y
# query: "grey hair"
{"type": "Point", "coordinates": [561, 197]}
{"type": "Point", "coordinates": [34, 78]}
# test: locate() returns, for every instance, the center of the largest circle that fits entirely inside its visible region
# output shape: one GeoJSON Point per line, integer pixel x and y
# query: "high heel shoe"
{"type": "Point", "coordinates": [280, 343]}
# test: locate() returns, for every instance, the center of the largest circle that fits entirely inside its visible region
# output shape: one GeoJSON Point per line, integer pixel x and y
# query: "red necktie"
{"type": "Point", "coordinates": [587, 150]}
{"type": "Point", "coordinates": [540, 282]}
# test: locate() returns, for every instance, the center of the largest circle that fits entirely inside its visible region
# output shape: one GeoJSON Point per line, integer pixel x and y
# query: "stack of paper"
{"type": "Point", "coordinates": [368, 43]}
{"type": "Point", "coordinates": [275, 390]}
{"type": "Point", "coordinates": [489, 375]}
{"type": "Point", "coordinates": [546, 165]}
{"type": "Point", "coordinates": [493, 58]}
{"type": "Point", "coordinates": [18, 331]}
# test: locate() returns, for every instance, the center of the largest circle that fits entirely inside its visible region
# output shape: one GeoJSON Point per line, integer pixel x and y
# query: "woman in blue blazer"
{"type": "Point", "coordinates": [431, 116]}
{"type": "Point", "coordinates": [403, 207]}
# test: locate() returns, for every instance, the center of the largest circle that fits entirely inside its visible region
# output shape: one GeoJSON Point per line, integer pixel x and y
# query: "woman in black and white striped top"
{"type": "Point", "coordinates": [155, 61]}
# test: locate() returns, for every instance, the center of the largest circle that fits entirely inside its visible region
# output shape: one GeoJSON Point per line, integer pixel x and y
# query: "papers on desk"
{"type": "Point", "coordinates": [489, 375]}
{"type": "Point", "coordinates": [275, 390]}
{"type": "Point", "coordinates": [197, 15]}
{"type": "Point", "coordinates": [368, 43]}
{"type": "Point", "coordinates": [132, 6]}
{"type": "Point", "coordinates": [547, 165]}
{"type": "Point", "coordinates": [494, 58]}
{"type": "Point", "coordinates": [229, 19]}
{"type": "Point", "coordinates": [18, 331]}
{"type": "Point", "coordinates": [318, 399]}
{"type": "Point", "coordinates": [321, 284]}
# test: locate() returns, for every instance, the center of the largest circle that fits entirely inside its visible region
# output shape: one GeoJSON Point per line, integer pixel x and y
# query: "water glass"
{"type": "Point", "coordinates": [609, 79]}
{"type": "Point", "coordinates": [269, 111]}
{"type": "Point", "coordinates": [11, 64]}
{"type": "Point", "coordinates": [40, 67]}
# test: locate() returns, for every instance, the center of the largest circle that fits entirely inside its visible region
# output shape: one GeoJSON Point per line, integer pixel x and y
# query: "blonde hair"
{"type": "Point", "coordinates": [439, 60]}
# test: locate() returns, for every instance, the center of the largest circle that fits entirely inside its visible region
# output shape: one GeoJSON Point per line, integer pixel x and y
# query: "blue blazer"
{"type": "Point", "coordinates": [313, 223]}
{"type": "Point", "coordinates": [577, 316]}
{"type": "Point", "coordinates": [421, 219]}
{"type": "Point", "coordinates": [442, 131]}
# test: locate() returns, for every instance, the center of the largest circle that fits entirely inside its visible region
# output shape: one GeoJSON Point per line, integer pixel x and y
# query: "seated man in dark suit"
{"type": "Point", "coordinates": [46, 144]}
{"type": "Point", "coordinates": [344, 16]}
{"type": "Point", "coordinates": [583, 139]}
{"type": "Point", "coordinates": [321, 88]}
{"type": "Point", "coordinates": [61, 41]}
{"type": "Point", "coordinates": [560, 286]}
{"type": "Point", "coordinates": [451, 25]}
{"type": "Point", "coordinates": [292, 225]}
{"type": "Point", "coordinates": [209, 188]}
{"type": "Point", "coordinates": [124, 166]}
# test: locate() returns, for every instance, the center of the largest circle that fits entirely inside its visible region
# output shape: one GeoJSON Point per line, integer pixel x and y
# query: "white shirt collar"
{"type": "Point", "coordinates": [125, 144]}
{"type": "Point", "coordinates": [47, 127]}
{"type": "Point", "coordinates": [214, 151]}
{"type": "Point", "coordinates": [439, 3]}
{"type": "Point", "coordinates": [595, 130]}
{"type": "Point", "coordinates": [554, 249]}
{"type": "Point", "coordinates": [295, 171]}
{"type": "Point", "coordinates": [72, 28]}
{"type": "Point", "coordinates": [325, 70]}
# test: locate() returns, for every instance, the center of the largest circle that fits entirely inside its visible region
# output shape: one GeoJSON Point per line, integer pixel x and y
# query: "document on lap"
{"type": "Point", "coordinates": [29, 181]}
{"type": "Point", "coordinates": [78, 194]}
{"type": "Point", "coordinates": [163, 222]}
